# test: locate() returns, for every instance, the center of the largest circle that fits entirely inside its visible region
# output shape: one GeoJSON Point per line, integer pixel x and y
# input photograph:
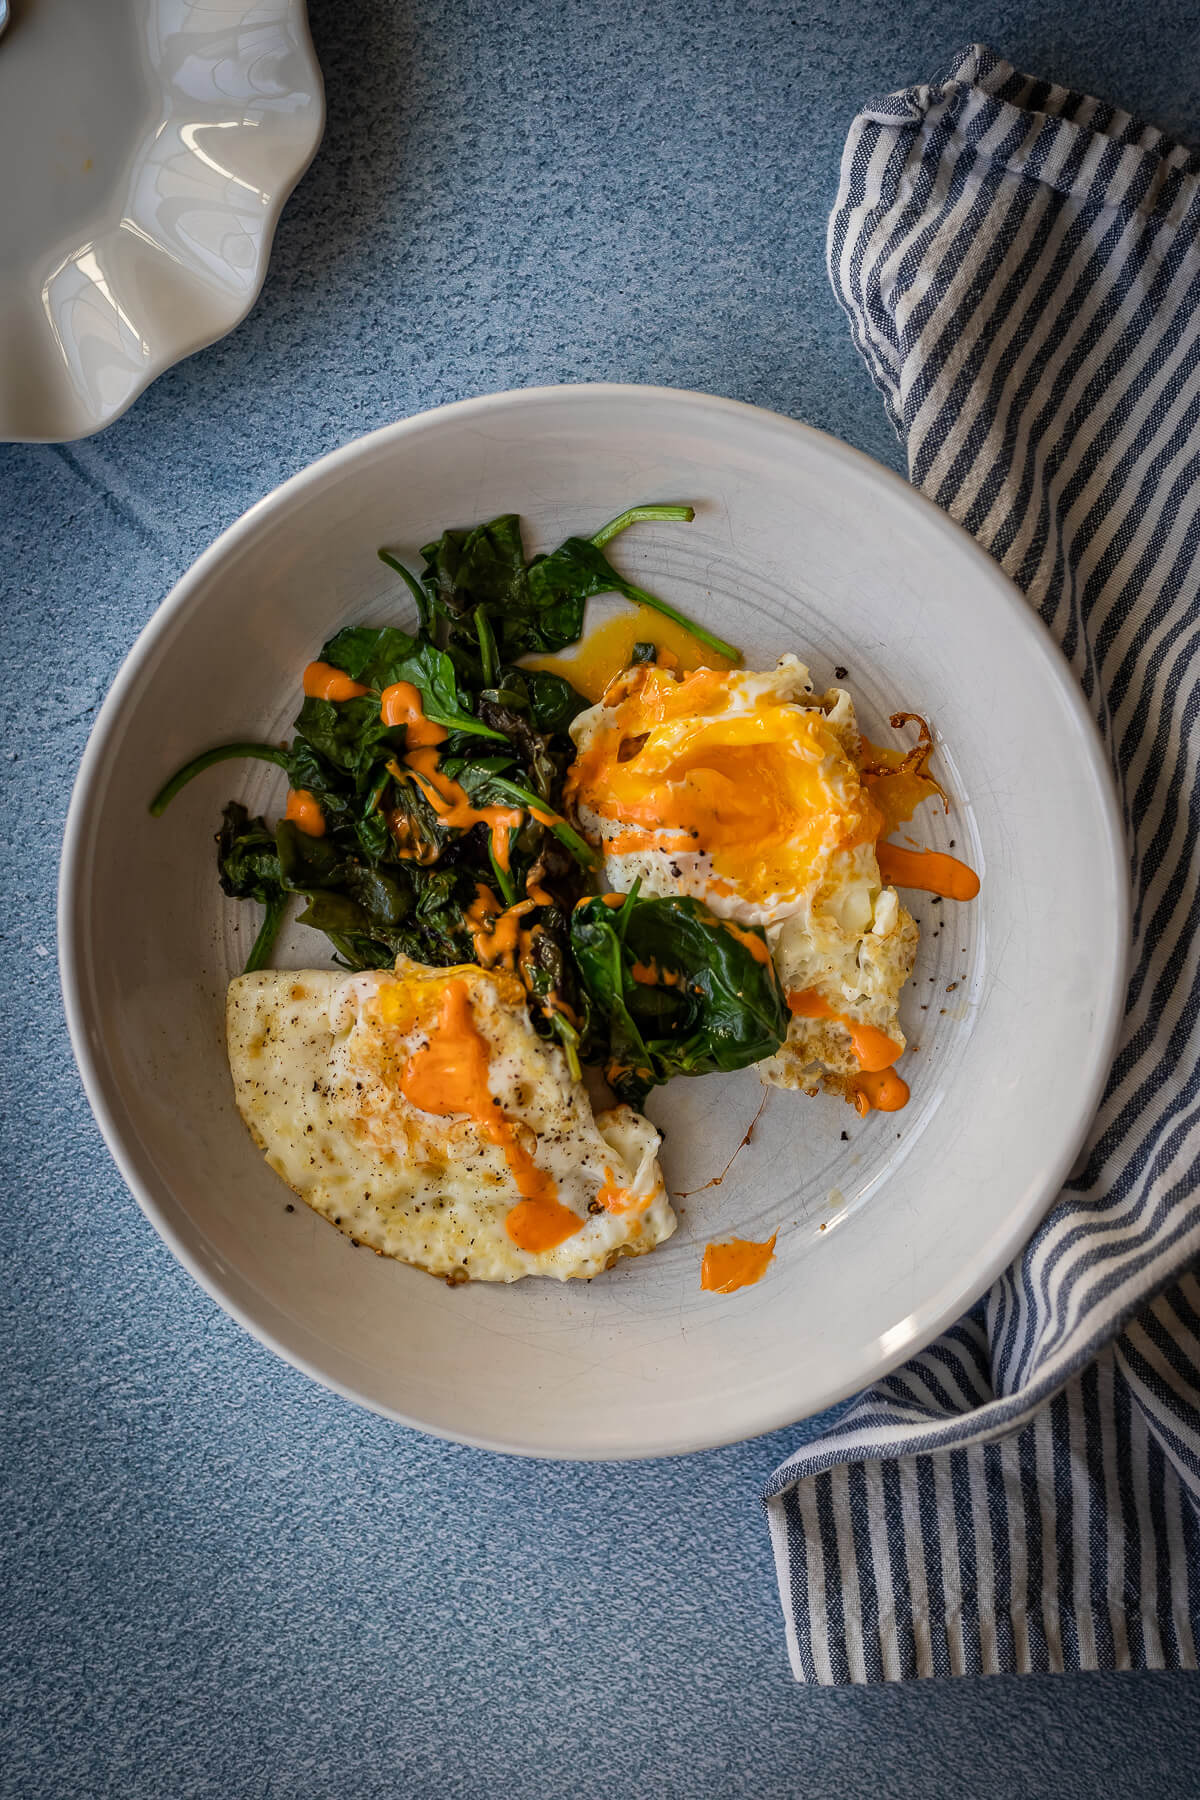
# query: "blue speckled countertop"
{"type": "Point", "coordinates": [220, 1579]}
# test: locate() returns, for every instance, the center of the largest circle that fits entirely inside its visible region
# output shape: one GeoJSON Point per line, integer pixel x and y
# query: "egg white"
{"type": "Point", "coordinates": [314, 1063]}
{"type": "Point", "coordinates": [837, 929]}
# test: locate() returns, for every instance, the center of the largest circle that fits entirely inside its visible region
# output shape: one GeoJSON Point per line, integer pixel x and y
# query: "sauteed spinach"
{"type": "Point", "coordinates": [673, 990]}
{"type": "Point", "coordinates": [390, 853]}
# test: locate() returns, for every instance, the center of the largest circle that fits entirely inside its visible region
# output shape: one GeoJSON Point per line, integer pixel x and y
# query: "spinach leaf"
{"type": "Point", "coordinates": [482, 567]}
{"type": "Point", "coordinates": [535, 607]}
{"type": "Point", "coordinates": [531, 745]}
{"type": "Point", "coordinates": [379, 656]}
{"type": "Point", "coordinates": [553, 702]}
{"type": "Point", "coordinates": [349, 734]}
{"type": "Point", "coordinates": [247, 863]}
{"type": "Point", "coordinates": [701, 998]}
{"type": "Point", "coordinates": [432, 671]}
{"type": "Point", "coordinates": [206, 760]}
{"type": "Point", "coordinates": [248, 869]}
{"type": "Point", "coordinates": [383, 897]}
{"type": "Point", "coordinates": [306, 862]}
{"type": "Point", "coordinates": [369, 653]}
{"type": "Point", "coordinates": [560, 584]}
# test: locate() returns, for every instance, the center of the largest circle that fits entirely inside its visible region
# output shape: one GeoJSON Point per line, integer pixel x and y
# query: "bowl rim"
{"type": "Point", "coordinates": [934, 1318]}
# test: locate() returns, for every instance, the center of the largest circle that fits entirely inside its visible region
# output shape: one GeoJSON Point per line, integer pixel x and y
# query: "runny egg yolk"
{"type": "Point", "coordinates": [765, 791]}
{"type": "Point", "coordinates": [449, 1077]}
{"type": "Point", "coordinates": [607, 649]}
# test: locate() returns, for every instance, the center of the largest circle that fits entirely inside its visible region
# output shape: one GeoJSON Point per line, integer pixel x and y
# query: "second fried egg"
{"type": "Point", "coordinates": [744, 789]}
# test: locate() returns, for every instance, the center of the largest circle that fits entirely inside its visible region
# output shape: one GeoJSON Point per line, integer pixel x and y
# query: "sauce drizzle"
{"type": "Point", "coordinates": [400, 704]}
{"type": "Point", "coordinates": [304, 810]}
{"type": "Point", "coordinates": [933, 871]}
{"type": "Point", "coordinates": [736, 1264]}
{"type": "Point", "coordinates": [874, 1050]}
{"type": "Point", "coordinates": [450, 1075]}
{"type": "Point", "coordinates": [452, 803]}
{"type": "Point", "coordinates": [322, 681]}
{"type": "Point", "coordinates": [879, 1091]}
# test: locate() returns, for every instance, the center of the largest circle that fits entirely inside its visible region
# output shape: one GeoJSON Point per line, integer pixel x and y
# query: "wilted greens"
{"type": "Point", "coordinates": [397, 845]}
{"type": "Point", "coordinates": [673, 990]}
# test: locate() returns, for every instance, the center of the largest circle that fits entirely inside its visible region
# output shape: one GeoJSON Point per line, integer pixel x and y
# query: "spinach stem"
{"type": "Point", "coordinates": [409, 579]}
{"type": "Point", "coordinates": [503, 880]}
{"type": "Point", "coordinates": [730, 652]}
{"type": "Point", "coordinates": [460, 722]}
{"type": "Point", "coordinates": [487, 647]}
{"type": "Point", "coordinates": [580, 849]}
{"type": "Point", "coordinates": [570, 1042]}
{"type": "Point", "coordinates": [625, 911]}
{"type": "Point", "coordinates": [268, 931]}
{"type": "Point", "coordinates": [638, 515]}
{"type": "Point", "coordinates": [222, 753]}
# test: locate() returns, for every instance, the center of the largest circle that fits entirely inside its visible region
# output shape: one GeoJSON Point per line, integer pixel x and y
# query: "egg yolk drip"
{"type": "Point", "coordinates": [449, 1077]}
{"type": "Point", "coordinates": [607, 649]}
{"type": "Point", "coordinates": [766, 793]}
{"type": "Point", "coordinates": [899, 780]}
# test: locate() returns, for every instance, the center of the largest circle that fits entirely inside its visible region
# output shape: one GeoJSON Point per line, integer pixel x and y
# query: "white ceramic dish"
{"type": "Point", "coordinates": [148, 148]}
{"type": "Point", "coordinates": [888, 1227]}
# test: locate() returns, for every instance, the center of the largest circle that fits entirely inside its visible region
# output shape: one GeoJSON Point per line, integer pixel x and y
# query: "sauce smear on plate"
{"type": "Point", "coordinates": [737, 1264]}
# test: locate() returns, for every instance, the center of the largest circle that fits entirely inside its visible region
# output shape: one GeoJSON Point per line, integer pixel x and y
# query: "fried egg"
{"type": "Point", "coordinates": [745, 790]}
{"type": "Point", "coordinates": [419, 1111]}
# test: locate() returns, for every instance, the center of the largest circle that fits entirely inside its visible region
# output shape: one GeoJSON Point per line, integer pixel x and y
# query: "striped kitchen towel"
{"type": "Point", "coordinates": [1020, 266]}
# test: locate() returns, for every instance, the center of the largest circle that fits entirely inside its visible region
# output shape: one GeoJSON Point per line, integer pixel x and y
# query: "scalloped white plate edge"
{"type": "Point", "coordinates": [172, 344]}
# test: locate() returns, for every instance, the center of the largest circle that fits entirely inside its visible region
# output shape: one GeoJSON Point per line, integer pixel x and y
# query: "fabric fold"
{"type": "Point", "coordinates": [1020, 268]}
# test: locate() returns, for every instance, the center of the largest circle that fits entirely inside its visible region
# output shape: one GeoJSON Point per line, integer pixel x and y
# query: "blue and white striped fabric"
{"type": "Point", "coordinates": [1020, 266]}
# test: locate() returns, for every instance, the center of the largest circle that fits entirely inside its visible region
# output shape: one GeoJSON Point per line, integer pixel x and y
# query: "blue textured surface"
{"type": "Point", "coordinates": [220, 1579]}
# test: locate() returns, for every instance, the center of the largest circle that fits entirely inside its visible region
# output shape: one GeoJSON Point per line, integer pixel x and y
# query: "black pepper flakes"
{"type": "Point", "coordinates": [839, 674]}
{"type": "Point", "coordinates": [289, 1207]}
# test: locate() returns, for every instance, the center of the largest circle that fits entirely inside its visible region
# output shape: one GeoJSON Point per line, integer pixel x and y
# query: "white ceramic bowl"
{"type": "Point", "coordinates": [888, 1227]}
{"type": "Point", "coordinates": [148, 147]}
